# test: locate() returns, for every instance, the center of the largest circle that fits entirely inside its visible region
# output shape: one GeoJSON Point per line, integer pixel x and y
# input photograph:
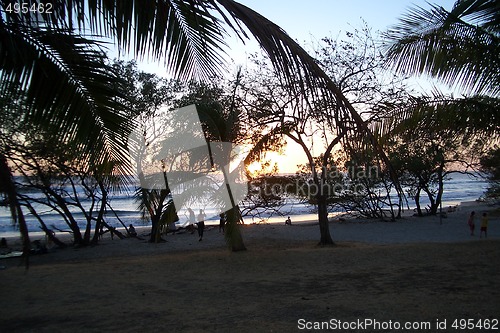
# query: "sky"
{"type": "Point", "coordinates": [309, 20]}
{"type": "Point", "coordinates": [302, 19]}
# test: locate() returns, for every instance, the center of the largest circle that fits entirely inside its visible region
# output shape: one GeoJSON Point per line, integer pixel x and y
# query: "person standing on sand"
{"type": "Point", "coordinates": [288, 221]}
{"type": "Point", "coordinates": [201, 224]}
{"type": "Point", "coordinates": [222, 222]}
{"type": "Point", "coordinates": [484, 226]}
{"type": "Point", "coordinates": [470, 222]}
{"type": "Point", "coordinates": [192, 220]}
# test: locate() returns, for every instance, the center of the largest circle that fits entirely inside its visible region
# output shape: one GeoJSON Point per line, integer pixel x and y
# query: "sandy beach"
{"type": "Point", "coordinates": [418, 271]}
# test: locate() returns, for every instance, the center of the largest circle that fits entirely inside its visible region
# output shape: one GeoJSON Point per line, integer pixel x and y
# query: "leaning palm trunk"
{"type": "Point", "coordinates": [233, 216]}
{"type": "Point", "coordinates": [232, 233]}
{"type": "Point", "coordinates": [8, 187]}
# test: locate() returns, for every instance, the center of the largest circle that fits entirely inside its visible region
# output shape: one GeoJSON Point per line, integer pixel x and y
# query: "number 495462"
{"type": "Point", "coordinates": [25, 8]}
{"type": "Point", "coordinates": [475, 324]}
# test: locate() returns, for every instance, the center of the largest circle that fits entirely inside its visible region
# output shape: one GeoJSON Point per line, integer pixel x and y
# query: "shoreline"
{"type": "Point", "coordinates": [407, 230]}
{"type": "Point", "coordinates": [302, 217]}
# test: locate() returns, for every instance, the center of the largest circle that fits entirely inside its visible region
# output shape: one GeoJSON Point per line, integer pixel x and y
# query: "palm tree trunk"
{"type": "Point", "coordinates": [102, 211]}
{"type": "Point", "coordinates": [8, 187]}
{"type": "Point", "coordinates": [155, 227]}
{"type": "Point", "coordinates": [233, 235]}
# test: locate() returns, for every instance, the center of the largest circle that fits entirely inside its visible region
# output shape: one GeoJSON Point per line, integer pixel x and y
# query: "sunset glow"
{"type": "Point", "coordinates": [285, 163]}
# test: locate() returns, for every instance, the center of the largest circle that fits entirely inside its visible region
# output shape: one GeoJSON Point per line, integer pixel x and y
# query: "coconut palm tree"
{"type": "Point", "coordinates": [460, 47]}
{"type": "Point", "coordinates": [70, 88]}
{"type": "Point", "coordinates": [221, 120]}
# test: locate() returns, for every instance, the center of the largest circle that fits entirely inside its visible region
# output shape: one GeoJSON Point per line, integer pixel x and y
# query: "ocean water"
{"type": "Point", "coordinates": [460, 188]}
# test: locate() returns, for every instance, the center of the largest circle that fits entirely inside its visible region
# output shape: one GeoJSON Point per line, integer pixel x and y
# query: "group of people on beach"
{"type": "Point", "coordinates": [199, 221]}
{"type": "Point", "coordinates": [194, 223]}
{"type": "Point", "coordinates": [484, 224]}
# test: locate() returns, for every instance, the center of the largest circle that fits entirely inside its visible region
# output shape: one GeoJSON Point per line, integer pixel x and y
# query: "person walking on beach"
{"type": "Point", "coordinates": [201, 224]}
{"type": "Point", "coordinates": [222, 222]}
{"type": "Point", "coordinates": [484, 226]}
{"type": "Point", "coordinates": [192, 220]}
{"type": "Point", "coordinates": [470, 222]}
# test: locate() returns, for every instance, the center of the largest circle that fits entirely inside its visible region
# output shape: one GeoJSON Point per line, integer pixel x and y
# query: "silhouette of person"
{"type": "Point", "coordinates": [484, 226]}
{"type": "Point", "coordinates": [222, 222]}
{"type": "Point", "coordinates": [201, 224]}
{"type": "Point", "coordinates": [131, 231]}
{"type": "Point", "coordinates": [192, 220]}
{"type": "Point", "coordinates": [288, 221]}
{"type": "Point", "coordinates": [470, 222]}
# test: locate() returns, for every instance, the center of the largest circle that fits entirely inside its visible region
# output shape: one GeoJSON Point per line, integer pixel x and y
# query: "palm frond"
{"type": "Point", "coordinates": [69, 90]}
{"type": "Point", "coordinates": [183, 33]}
{"type": "Point", "coordinates": [484, 13]}
{"type": "Point", "coordinates": [445, 45]}
{"type": "Point", "coordinates": [289, 58]}
{"type": "Point", "coordinates": [295, 66]}
{"type": "Point", "coordinates": [466, 117]}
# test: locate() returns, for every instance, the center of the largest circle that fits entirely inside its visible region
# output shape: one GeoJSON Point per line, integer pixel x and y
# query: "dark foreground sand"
{"type": "Point", "coordinates": [132, 286]}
